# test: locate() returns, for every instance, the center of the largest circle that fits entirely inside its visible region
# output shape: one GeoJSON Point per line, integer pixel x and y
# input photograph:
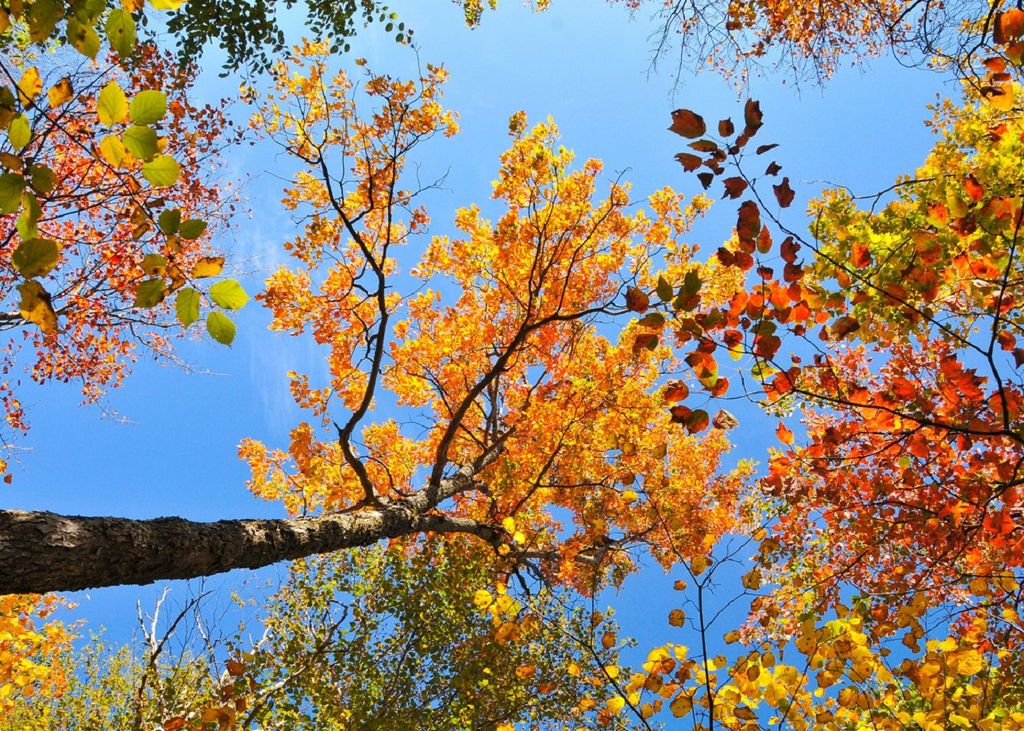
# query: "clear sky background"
{"type": "Point", "coordinates": [171, 451]}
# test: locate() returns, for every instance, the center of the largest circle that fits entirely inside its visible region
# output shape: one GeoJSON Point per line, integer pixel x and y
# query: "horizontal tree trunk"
{"type": "Point", "coordinates": [42, 552]}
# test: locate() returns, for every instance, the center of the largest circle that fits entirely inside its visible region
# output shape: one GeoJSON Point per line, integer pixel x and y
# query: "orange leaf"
{"type": "Point", "coordinates": [676, 391]}
{"type": "Point", "coordinates": [1009, 26]}
{"type": "Point", "coordinates": [637, 300]}
{"type": "Point", "coordinates": [785, 435]}
{"type": "Point", "coordinates": [973, 188]}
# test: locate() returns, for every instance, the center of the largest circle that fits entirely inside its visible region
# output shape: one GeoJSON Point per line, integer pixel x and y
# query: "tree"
{"type": "Point", "coordinates": [526, 430]}
{"type": "Point", "coordinates": [347, 641]}
{"type": "Point", "coordinates": [894, 331]}
{"type": "Point", "coordinates": [500, 452]}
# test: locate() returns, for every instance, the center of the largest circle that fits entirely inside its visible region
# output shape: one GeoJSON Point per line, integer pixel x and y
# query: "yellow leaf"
{"type": "Point", "coordinates": [166, 4]}
{"type": "Point", "coordinates": [60, 93]}
{"type": "Point", "coordinates": [482, 598]}
{"type": "Point", "coordinates": [509, 524]}
{"type": "Point", "coordinates": [616, 704]}
{"type": "Point", "coordinates": [681, 705]}
{"type": "Point", "coordinates": [208, 266]}
{"type": "Point", "coordinates": [36, 308]}
{"type": "Point", "coordinates": [112, 150]}
{"type": "Point", "coordinates": [29, 85]}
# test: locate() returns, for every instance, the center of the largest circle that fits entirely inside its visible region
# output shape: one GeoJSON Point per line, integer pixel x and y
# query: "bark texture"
{"type": "Point", "coordinates": [42, 552]}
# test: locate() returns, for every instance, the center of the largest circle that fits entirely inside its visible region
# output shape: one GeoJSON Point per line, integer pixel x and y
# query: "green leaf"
{"type": "Point", "coordinates": [30, 213]}
{"type": "Point", "coordinates": [112, 105]}
{"type": "Point", "coordinates": [83, 38]}
{"type": "Point", "coordinates": [121, 31]}
{"type": "Point", "coordinates": [652, 319]}
{"type": "Point", "coordinates": [187, 306]}
{"type": "Point", "coordinates": [664, 290]}
{"type": "Point", "coordinates": [140, 141]}
{"type": "Point", "coordinates": [220, 327]}
{"type": "Point", "coordinates": [691, 283]}
{"type": "Point", "coordinates": [762, 371]}
{"type": "Point", "coordinates": [154, 265]}
{"type": "Point", "coordinates": [43, 17]}
{"type": "Point", "coordinates": [162, 171]}
{"type": "Point", "coordinates": [148, 107]}
{"type": "Point", "coordinates": [192, 229]}
{"type": "Point", "coordinates": [35, 257]}
{"type": "Point", "coordinates": [229, 294]}
{"type": "Point", "coordinates": [44, 179]}
{"type": "Point", "coordinates": [19, 132]}
{"type": "Point", "coordinates": [11, 185]}
{"type": "Point", "coordinates": [87, 11]}
{"type": "Point", "coordinates": [150, 293]}
{"type": "Point", "coordinates": [169, 221]}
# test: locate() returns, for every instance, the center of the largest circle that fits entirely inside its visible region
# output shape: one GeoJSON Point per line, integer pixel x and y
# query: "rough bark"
{"type": "Point", "coordinates": [41, 551]}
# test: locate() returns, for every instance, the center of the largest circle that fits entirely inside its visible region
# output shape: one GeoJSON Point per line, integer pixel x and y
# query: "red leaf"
{"type": "Point", "coordinates": [720, 388]}
{"type": "Point", "coordinates": [783, 193]}
{"type": "Point", "coordinates": [687, 123]}
{"type": "Point", "coordinates": [752, 116]}
{"type": "Point", "coordinates": [772, 169]}
{"type": "Point", "coordinates": [726, 128]}
{"type": "Point", "coordinates": [705, 179]}
{"type": "Point", "coordinates": [676, 391]}
{"type": "Point", "coordinates": [789, 249]}
{"type": "Point", "coordinates": [690, 162]}
{"type": "Point", "coordinates": [698, 421]}
{"type": "Point", "coordinates": [680, 414]}
{"type": "Point", "coordinates": [764, 148]}
{"type": "Point", "coordinates": [748, 223]}
{"type": "Point", "coordinates": [734, 187]}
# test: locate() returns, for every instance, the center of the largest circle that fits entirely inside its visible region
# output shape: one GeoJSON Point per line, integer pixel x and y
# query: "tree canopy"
{"type": "Point", "coordinates": [510, 419]}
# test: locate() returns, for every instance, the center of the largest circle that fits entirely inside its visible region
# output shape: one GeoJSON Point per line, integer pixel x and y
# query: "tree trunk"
{"type": "Point", "coordinates": [42, 552]}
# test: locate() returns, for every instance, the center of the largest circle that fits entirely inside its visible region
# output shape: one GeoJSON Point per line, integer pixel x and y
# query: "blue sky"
{"type": "Point", "coordinates": [586, 64]}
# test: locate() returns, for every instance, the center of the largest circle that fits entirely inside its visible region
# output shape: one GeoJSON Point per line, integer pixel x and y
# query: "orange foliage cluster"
{"type": "Point", "coordinates": [503, 347]}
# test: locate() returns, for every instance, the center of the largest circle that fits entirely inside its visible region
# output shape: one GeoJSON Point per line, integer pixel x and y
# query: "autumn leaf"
{"type": "Point", "coordinates": [689, 161]}
{"type": "Point", "coordinates": [637, 300]}
{"type": "Point", "coordinates": [734, 187]}
{"type": "Point", "coordinates": [36, 306]}
{"type": "Point", "coordinates": [687, 123]}
{"type": "Point", "coordinates": [676, 391]}
{"type": "Point", "coordinates": [783, 193]}
{"type": "Point", "coordinates": [784, 435]}
{"type": "Point", "coordinates": [29, 86]}
{"type": "Point", "coordinates": [208, 266]}
{"type": "Point", "coordinates": [752, 117]}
